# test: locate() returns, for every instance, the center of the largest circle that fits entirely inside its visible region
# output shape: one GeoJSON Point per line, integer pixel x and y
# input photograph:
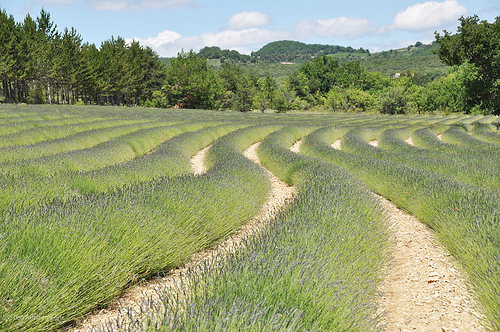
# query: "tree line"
{"type": "Point", "coordinates": [215, 52]}
{"type": "Point", "coordinates": [471, 85]}
{"type": "Point", "coordinates": [325, 84]}
{"type": "Point", "coordinates": [277, 51]}
{"type": "Point", "coordinates": [39, 64]}
{"type": "Point", "coordinates": [476, 49]}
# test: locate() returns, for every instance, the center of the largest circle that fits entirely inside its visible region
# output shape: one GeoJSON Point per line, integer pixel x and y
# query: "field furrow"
{"type": "Point", "coordinates": [197, 163]}
{"type": "Point", "coordinates": [140, 300]}
{"type": "Point", "coordinates": [463, 217]}
{"type": "Point", "coordinates": [98, 202]}
{"type": "Point", "coordinates": [424, 289]}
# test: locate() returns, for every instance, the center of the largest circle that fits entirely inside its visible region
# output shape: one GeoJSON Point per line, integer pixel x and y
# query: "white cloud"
{"type": "Point", "coordinates": [169, 43]}
{"type": "Point", "coordinates": [234, 38]}
{"type": "Point", "coordinates": [164, 37]}
{"type": "Point", "coordinates": [419, 17]}
{"type": "Point", "coordinates": [243, 32]}
{"type": "Point", "coordinates": [428, 15]}
{"type": "Point", "coordinates": [135, 5]}
{"type": "Point", "coordinates": [247, 20]}
{"type": "Point", "coordinates": [338, 26]}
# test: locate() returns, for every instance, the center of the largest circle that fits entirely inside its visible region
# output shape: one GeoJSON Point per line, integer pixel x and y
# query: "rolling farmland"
{"type": "Point", "coordinates": [96, 199]}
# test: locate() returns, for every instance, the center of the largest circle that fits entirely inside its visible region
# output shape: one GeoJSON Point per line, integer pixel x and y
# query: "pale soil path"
{"type": "Point", "coordinates": [197, 163]}
{"type": "Point", "coordinates": [423, 290]}
{"type": "Point", "coordinates": [374, 143]}
{"type": "Point", "coordinates": [337, 145]}
{"type": "Point", "coordinates": [130, 303]}
{"type": "Point", "coordinates": [296, 146]}
{"type": "Point", "coordinates": [440, 137]}
{"type": "Point", "coordinates": [410, 141]}
{"type": "Point", "coordinates": [281, 193]}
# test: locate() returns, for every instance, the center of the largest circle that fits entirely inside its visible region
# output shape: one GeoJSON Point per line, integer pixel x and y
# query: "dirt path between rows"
{"type": "Point", "coordinates": [129, 304]}
{"type": "Point", "coordinates": [337, 145]}
{"type": "Point", "coordinates": [197, 163]}
{"type": "Point", "coordinates": [409, 141]}
{"type": "Point", "coordinates": [423, 289]}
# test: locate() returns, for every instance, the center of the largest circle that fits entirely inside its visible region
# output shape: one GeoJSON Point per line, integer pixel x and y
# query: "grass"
{"type": "Point", "coordinates": [86, 139]}
{"type": "Point", "coordinates": [71, 257]}
{"type": "Point", "coordinates": [105, 196]}
{"type": "Point", "coordinates": [464, 218]}
{"type": "Point", "coordinates": [316, 267]}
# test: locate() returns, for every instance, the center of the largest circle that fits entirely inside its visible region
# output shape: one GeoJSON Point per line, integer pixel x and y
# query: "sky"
{"type": "Point", "coordinates": [173, 26]}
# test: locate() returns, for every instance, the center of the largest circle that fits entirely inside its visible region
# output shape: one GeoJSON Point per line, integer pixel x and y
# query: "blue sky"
{"type": "Point", "coordinates": [169, 26]}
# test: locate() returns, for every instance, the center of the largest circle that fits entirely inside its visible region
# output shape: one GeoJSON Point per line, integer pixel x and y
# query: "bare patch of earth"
{"type": "Point", "coordinates": [337, 145]}
{"type": "Point", "coordinates": [197, 163]}
{"type": "Point", "coordinates": [424, 290]}
{"type": "Point", "coordinates": [409, 141]}
{"type": "Point", "coordinates": [296, 146]}
{"type": "Point", "coordinates": [281, 193]}
{"type": "Point", "coordinates": [374, 143]}
{"type": "Point", "coordinates": [131, 304]}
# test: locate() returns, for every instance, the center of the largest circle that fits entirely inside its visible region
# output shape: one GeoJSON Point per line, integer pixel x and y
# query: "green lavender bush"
{"type": "Point", "coordinates": [316, 267]}
{"type": "Point", "coordinates": [465, 218]}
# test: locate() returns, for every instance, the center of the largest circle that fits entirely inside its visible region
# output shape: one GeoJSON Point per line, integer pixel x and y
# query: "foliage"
{"type": "Point", "coordinates": [426, 181]}
{"type": "Point", "coordinates": [215, 52]}
{"type": "Point", "coordinates": [392, 100]}
{"type": "Point", "coordinates": [243, 98]}
{"type": "Point", "coordinates": [264, 97]}
{"type": "Point", "coordinates": [447, 94]}
{"type": "Point", "coordinates": [41, 64]}
{"type": "Point", "coordinates": [191, 83]}
{"type": "Point", "coordinates": [419, 59]}
{"type": "Point", "coordinates": [477, 44]}
{"type": "Point", "coordinates": [239, 88]}
{"type": "Point", "coordinates": [287, 50]}
{"type": "Point", "coordinates": [284, 98]}
{"type": "Point", "coordinates": [321, 74]}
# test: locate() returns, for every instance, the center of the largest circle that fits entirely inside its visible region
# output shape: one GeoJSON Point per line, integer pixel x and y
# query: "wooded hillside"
{"type": "Point", "coordinates": [287, 50]}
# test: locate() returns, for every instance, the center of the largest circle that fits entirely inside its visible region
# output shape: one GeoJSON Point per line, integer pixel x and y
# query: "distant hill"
{"type": "Point", "coordinates": [290, 51]}
{"type": "Point", "coordinates": [215, 52]}
{"type": "Point", "coordinates": [280, 58]}
{"type": "Point", "coordinates": [418, 58]}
